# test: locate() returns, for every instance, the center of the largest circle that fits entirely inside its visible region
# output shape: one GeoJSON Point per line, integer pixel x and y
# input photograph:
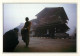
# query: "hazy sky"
{"type": "Point", "coordinates": [14, 14]}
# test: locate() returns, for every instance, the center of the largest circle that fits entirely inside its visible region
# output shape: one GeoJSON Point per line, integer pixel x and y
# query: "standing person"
{"type": "Point", "coordinates": [10, 40]}
{"type": "Point", "coordinates": [25, 31]}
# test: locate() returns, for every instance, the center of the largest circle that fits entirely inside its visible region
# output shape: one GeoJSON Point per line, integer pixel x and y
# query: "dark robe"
{"type": "Point", "coordinates": [10, 41]}
{"type": "Point", "coordinates": [25, 32]}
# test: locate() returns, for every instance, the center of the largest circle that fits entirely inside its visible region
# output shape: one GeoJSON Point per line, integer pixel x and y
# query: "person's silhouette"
{"type": "Point", "coordinates": [10, 40]}
{"type": "Point", "coordinates": [25, 31]}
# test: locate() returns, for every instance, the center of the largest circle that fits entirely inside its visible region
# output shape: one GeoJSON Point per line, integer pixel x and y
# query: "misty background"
{"type": "Point", "coordinates": [14, 14]}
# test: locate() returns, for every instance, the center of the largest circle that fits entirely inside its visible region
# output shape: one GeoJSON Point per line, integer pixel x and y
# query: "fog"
{"type": "Point", "coordinates": [14, 14]}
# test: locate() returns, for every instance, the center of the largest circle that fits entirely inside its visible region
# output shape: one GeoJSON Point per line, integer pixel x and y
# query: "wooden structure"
{"type": "Point", "coordinates": [50, 21]}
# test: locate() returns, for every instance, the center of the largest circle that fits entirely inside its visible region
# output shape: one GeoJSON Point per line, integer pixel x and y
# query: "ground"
{"type": "Point", "coordinates": [47, 45]}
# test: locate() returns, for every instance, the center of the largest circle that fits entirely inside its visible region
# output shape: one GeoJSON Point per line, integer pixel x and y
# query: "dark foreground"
{"type": "Point", "coordinates": [47, 45]}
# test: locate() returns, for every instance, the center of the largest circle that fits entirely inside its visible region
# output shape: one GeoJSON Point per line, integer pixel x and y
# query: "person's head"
{"type": "Point", "coordinates": [26, 19]}
{"type": "Point", "coordinates": [16, 29]}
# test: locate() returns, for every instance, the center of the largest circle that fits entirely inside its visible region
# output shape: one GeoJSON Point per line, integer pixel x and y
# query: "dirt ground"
{"type": "Point", "coordinates": [47, 45]}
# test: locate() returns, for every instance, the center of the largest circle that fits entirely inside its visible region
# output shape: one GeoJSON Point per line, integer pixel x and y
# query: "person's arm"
{"type": "Point", "coordinates": [24, 27]}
